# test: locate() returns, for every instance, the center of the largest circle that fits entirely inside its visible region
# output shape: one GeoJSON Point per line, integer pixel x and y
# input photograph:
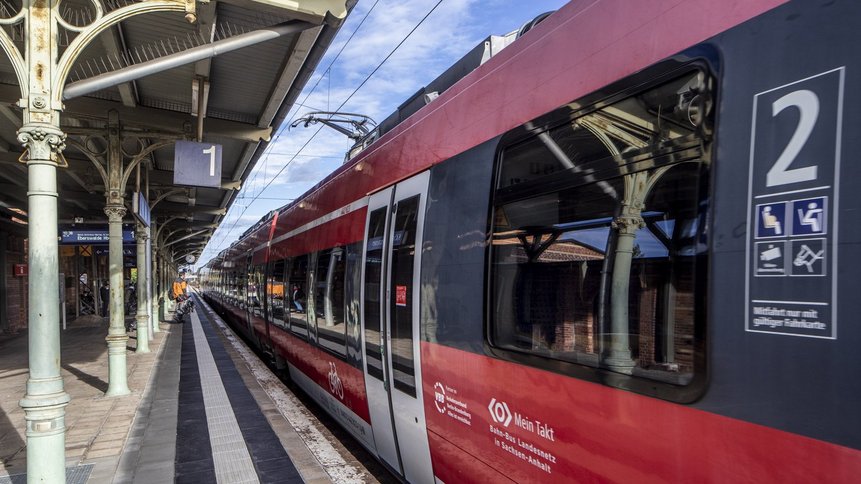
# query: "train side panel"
{"type": "Point", "coordinates": [775, 394]}
{"type": "Point", "coordinates": [777, 406]}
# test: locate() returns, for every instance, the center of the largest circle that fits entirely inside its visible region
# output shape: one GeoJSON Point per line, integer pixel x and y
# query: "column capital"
{"type": "Point", "coordinates": [141, 234]}
{"type": "Point", "coordinates": [115, 213]}
{"type": "Point", "coordinates": [628, 224]}
{"type": "Point", "coordinates": [630, 220]}
{"type": "Point", "coordinates": [43, 142]}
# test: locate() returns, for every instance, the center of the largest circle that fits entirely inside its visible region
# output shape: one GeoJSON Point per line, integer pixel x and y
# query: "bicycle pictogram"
{"type": "Point", "coordinates": [335, 385]}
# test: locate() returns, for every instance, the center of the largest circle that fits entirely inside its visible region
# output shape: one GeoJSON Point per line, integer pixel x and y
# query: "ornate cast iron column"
{"type": "Point", "coordinates": [152, 281]}
{"type": "Point", "coordinates": [142, 317]}
{"type": "Point", "coordinates": [41, 73]}
{"type": "Point", "coordinates": [116, 210]}
{"type": "Point", "coordinates": [117, 337]}
{"type": "Point", "coordinates": [45, 399]}
{"type": "Point", "coordinates": [618, 355]}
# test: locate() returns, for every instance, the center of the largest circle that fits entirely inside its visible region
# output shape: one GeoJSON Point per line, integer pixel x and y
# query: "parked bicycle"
{"type": "Point", "coordinates": [184, 305]}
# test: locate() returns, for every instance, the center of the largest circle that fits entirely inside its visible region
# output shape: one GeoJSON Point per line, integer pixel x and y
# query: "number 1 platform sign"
{"type": "Point", "coordinates": [793, 193]}
{"type": "Point", "coordinates": [197, 164]}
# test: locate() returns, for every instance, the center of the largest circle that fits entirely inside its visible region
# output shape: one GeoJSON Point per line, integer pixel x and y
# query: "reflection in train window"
{"type": "Point", "coordinates": [297, 297]}
{"type": "Point", "coordinates": [240, 287]}
{"type": "Point", "coordinates": [328, 301]}
{"type": "Point", "coordinates": [276, 291]}
{"type": "Point", "coordinates": [599, 237]}
{"type": "Point", "coordinates": [372, 303]}
{"type": "Point", "coordinates": [255, 293]}
{"type": "Point", "coordinates": [402, 270]}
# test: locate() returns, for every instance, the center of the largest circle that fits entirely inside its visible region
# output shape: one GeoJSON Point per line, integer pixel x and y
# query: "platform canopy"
{"type": "Point", "coordinates": [248, 59]}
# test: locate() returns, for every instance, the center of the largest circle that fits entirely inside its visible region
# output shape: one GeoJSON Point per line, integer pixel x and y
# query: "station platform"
{"type": "Point", "coordinates": [202, 408]}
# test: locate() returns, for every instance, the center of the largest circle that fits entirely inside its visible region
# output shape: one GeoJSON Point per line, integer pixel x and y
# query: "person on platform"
{"type": "Point", "coordinates": [104, 295]}
{"type": "Point", "coordinates": [297, 296]}
{"type": "Point", "coordinates": [178, 291]}
{"type": "Point", "coordinates": [179, 287]}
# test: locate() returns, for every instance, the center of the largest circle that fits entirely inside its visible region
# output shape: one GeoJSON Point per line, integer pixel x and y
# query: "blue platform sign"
{"type": "Point", "coordinates": [197, 164]}
{"type": "Point", "coordinates": [129, 250]}
{"type": "Point", "coordinates": [91, 236]}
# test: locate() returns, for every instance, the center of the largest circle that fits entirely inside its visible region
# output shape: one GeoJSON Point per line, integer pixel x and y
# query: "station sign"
{"type": "Point", "coordinates": [91, 236]}
{"type": "Point", "coordinates": [197, 164]}
{"type": "Point", "coordinates": [792, 208]}
{"type": "Point", "coordinates": [140, 208]}
{"type": "Point", "coordinates": [128, 251]}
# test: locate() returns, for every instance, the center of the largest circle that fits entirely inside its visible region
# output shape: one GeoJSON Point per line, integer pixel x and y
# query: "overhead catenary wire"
{"type": "Point", "coordinates": [368, 77]}
{"type": "Point", "coordinates": [314, 135]}
{"type": "Point", "coordinates": [317, 83]}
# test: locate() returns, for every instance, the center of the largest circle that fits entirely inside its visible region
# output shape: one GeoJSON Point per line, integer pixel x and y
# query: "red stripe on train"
{"type": "Point", "coordinates": [315, 363]}
{"type": "Point", "coordinates": [547, 427]}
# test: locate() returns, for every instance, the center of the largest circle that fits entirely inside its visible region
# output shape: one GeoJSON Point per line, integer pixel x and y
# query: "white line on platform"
{"type": "Point", "coordinates": [339, 470]}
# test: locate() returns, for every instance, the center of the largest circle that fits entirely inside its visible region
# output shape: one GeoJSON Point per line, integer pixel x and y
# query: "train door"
{"type": "Point", "coordinates": [390, 321]}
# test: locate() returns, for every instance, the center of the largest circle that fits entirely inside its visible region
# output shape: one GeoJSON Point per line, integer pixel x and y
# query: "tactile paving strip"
{"type": "Point", "coordinates": [229, 453]}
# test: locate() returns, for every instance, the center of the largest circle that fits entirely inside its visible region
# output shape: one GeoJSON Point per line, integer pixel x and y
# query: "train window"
{"type": "Point", "coordinates": [226, 281]}
{"type": "Point", "coordinates": [255, 295]}
{"type": "Point", "coordinates": [298, 298]}
{"type": "Point", "coordinates": [352, 286]}
{"type": "Point", "coordinates": [373, 279]}
{"type": "Point", "coordinates": [240, 287]}
{"type": "Point", "coordinates": [327, 305]}
{"type": "Point", "coordinates": [403, 262]}
{"type": "Point", "coordinates": [276, 293]}
{"type": "Point", "coordinates": [599, 234]}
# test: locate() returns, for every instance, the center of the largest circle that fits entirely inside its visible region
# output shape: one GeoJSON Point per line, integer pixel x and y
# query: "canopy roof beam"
{"type": "Point", "coordinates": [190, 56]}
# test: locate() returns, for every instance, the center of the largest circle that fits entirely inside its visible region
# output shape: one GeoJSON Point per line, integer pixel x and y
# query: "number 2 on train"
{"type": "Point", "coordinates": [808, 106]}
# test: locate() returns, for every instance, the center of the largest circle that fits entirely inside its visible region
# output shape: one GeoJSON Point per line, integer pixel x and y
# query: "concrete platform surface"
{"type": "Point", "coordinates": [202, 408]}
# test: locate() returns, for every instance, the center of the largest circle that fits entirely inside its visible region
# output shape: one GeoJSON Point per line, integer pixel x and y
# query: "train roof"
{"type": "Point", "coordinates": [478, 55]}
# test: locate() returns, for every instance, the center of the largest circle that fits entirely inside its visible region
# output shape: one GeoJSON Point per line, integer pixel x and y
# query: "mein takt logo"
{"type": "Point", "coordinates": [499, 412]}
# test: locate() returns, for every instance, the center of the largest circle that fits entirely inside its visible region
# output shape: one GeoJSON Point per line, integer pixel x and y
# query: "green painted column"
{"type": "Point", "coordinates": [142, 317]}
{"type": "Point", "coordinates": [618, 355]}
{"type": "Point", "coordinates": [45, 399]}
{"type": "Point", "coordinates": [117, 337]}
{"type": "Point", "coordinates": [152, 278]}
{"type": "Point", "coordinates": [115, 210]}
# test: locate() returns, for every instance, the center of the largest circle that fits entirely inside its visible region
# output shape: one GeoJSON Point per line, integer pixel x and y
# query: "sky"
{"type": "Point", "coordinates": [298, 158]}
